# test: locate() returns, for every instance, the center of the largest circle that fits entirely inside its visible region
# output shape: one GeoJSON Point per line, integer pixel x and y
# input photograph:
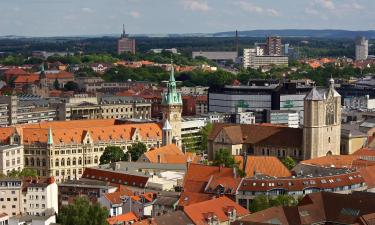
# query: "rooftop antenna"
{"type": "Point", "coordinates": [237, 41]}
{"type": "Point", "coordinates": [123, 31]}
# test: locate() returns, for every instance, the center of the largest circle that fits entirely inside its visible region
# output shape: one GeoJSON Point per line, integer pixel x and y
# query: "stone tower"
{"type": "Point", "coordinates": [322, 123]}
{"type": "Point", "coordinates": [172, 109]}
{"type": "Point", "coordinates": [167, 133]}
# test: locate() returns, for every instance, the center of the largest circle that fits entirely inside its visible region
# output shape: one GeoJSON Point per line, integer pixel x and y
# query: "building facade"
{"type": "Point", "coordinates": [322, 123]}
{"type": "Point", "coordinates": [11, 158]}
{"type": "Point", "coordinates": [125, 44]}
{"type": "Point", "coordinates": [361, 48]}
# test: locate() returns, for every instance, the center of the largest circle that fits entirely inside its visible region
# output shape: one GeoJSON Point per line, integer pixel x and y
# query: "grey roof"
{"type": "Point", "coordinates": [166, 200]}
{"type": "Point", "coordinates": [351, 130]}
{"type": "Point", "coordinates": [85, 183]}
{"type": "Point", "coordinates": [121, 99]}
{"type": "Point", "coordinates": [133, 168]}
{"type": "Point", "coordinates": [307, 170]}
{"type": "Point", "coordinates": [314, 95]}
{"type": "Point", "coordinates": [177, 217]}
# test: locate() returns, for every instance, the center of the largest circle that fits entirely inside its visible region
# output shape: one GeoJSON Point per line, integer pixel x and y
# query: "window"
{"type": "Point", "coordinates": [74, 161]}
{"type": "Point", "coordinates": [57, 162]}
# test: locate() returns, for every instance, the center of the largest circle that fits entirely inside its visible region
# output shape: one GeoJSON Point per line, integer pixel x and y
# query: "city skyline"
{"type": "Point", "coordinates": [94, 17]}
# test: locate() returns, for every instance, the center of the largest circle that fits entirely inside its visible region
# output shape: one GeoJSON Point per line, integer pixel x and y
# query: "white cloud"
{"type": "Point", "coordinates": [252, 8]}
{"type": "Point", "coordinates": [135, 14]}
{"type": "Point", "coordinates": [196, 5]}
{"type": "Point", "coordinates": [326, 4]}
{"type": "Point", "coordinates": [87, 10]}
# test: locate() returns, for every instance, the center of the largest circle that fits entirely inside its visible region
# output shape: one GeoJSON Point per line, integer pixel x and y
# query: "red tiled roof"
{"type": "Point", "coordinates": [115, 177]}
{"type": "Point", "coordinates": [27, 79]}
{"type": "Point", "coordinates": [340, 161]}
{"type": "Point", "coordinates": [115, 197]}
{"type": "Point", "coordinates": [300, 184]}
{"type": "Point", "coordinates": [266, 165]}
{"type": "Point", "coordinates": [259, 134]}
{"type": "Point", "coordinates": [123, 218]}
{"type": "Point", "coordinates": [15, 71]}
{"type": "Point", "coordinates": [170, 154]}
{"type": "Point", "coordinates": [218, 207]}
{"type": "Point", "coordinates": [196, 179]}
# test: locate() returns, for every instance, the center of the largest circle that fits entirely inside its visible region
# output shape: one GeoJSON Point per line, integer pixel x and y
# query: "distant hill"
{"type": "Point", "coordinates": [300, 33]}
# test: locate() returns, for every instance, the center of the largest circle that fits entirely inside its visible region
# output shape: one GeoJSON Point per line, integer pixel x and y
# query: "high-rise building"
{"type": "Point", "coordinates": [172, 110]}
{"type": "Point", "coordinates": [125, 44]}
{"type": "Point", "coordinates": [322, 123]}
{"type": "Point", "coordinates": [361, 48]}
{"type": "Point", "coordinates": [273, 46]}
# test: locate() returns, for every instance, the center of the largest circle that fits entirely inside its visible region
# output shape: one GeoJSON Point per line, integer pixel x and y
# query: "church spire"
{"type": "Point", "coordinates": [50, 137]}
{"type": "Point", "coordinates": [172, 97]}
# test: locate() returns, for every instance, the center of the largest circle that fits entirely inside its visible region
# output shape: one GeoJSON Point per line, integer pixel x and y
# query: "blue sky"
{"type": "Point", "coordinates": [92, 17]}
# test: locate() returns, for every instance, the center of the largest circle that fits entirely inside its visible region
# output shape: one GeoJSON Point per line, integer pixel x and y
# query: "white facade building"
{"type": "Point", "coordinates": [41, 197]}
{"type": "Point", "coordinates": [289, 118]}
{"type": "Point", "coordinates": [361, 48]}
{"type": "Point", "coordinates": [11, 158]}
{"type": "Point", "coordinates": [252, 58]}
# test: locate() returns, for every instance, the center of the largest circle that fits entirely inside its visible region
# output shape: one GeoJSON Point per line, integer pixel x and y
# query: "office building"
{"type": "Point", "coordinates": [125, 44]}
{"type": "Point", "coordinates": [288, 118]}
{"type": "Point", "coordinates": [361, 48]}
{"type": "Point", "coordinates": [217, 56]}
{"type": "Point", "coordinates": [273, 46]}
{"type": "Point", "coordinates": [259, 95]}
{"type": "Point", "coordinates": [251, 59]}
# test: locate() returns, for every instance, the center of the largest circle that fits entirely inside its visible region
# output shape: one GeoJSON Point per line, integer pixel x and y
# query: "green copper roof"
{"type": "Point", "coordinates": [171, 97]}
{"type": "Point", "coordinates": [50, 137]}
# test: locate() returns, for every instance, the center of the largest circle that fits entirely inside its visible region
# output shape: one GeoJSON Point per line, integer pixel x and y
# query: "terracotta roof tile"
{"type": "Point", "coordinates": [170, 154]}
{"type": "Point", "coordinates": [340, 161]}
{"type": "Point", "coordinates": [266, 165]}
{"type": "Point", "coordinates": [218, 207]}
{"type": "Point", "coordinates": [123, 218]}
{"type": "Point", "coordinates": [26, 79]}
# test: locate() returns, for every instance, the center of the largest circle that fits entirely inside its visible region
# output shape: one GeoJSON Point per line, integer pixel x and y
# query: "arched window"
{"type": "Point", "coordinates": [37, 162]}
{"type": "Point", "coordinates": [57, 162]}
{"type": "Point", "coordinates": [68, 161]}
{"type": "Point", "coordinates": [26, 161]}
{"type": "Point", "coordinates": [96, 159]}
{"type": "Point", "coordinates": [32, 161]}
{"type": "Point", "coordinates": [44, 162]}
{"type": "Point", "coordinates": [74, 161]}
{"type": "Point", "coordinates": [79, 161]}
{"type": "Point", "coordinates": [62, 162]}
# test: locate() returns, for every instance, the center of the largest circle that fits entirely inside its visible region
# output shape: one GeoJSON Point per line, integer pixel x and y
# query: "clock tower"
{"type": "Point", "coordinates": [172, 109]}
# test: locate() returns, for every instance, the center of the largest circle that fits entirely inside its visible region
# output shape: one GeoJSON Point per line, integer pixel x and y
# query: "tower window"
{"type": "Point", "coordinates": [329, 140]}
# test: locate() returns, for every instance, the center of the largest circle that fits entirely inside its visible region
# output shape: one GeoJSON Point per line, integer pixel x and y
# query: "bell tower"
{"type": "Point", "coordinates": [322, 123]}
{"type": "Point", "coordinates": [171, 108]}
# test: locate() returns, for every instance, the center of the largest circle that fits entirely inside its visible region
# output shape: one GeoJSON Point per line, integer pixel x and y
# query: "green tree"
{"type": "Point", "coordinates": [136, 150]}
{"type": "Point", "coordinates": [205, 132]}
{"type": "Point", "coordinates": [56, 84]}
{"type": "Point", "coordinates": [224, 157]}
{"type": "Point", "coordinates": [71, 86]}
{"type": "Point", "coordinates": [283, 200]}
{"type": "Point", "coordinates": [259, 203]}
{"type": "Point", "coordinates": [188, 143]}
{"type": "Point", "coordinates": [112, 154]}
{"type": "Point", "coordinates": [289, 162]}
{"type": "Point", "coordinates": [26, 172]}
{"type": "Point", "coordinates": [82, 212]}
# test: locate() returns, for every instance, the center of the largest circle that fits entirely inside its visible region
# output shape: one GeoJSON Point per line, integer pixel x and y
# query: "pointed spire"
{"type": "Point", "coordinates": [123, 31]}
{"type": "Point", "coordinates": [50, 137]}
{"type": "Point", "coordinates": [171, 77]}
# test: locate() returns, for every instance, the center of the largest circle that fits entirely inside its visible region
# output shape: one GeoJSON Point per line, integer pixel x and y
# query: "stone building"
{"type": "Point", "coordinates": [322, 123]}
{"type": "Point", "coordinates": [65, 149]}
{"type": "Point", "coordinates": [171, 108]}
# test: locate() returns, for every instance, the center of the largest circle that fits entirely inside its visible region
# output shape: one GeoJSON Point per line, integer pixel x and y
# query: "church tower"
{"type": "Point", "coordinates": [322, 123]}
{"type": "Point", "coordinates": [172, 109]}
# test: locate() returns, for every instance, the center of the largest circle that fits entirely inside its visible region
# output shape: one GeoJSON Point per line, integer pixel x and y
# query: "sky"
{"type": "Point", "coordinates": [97, 17]}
